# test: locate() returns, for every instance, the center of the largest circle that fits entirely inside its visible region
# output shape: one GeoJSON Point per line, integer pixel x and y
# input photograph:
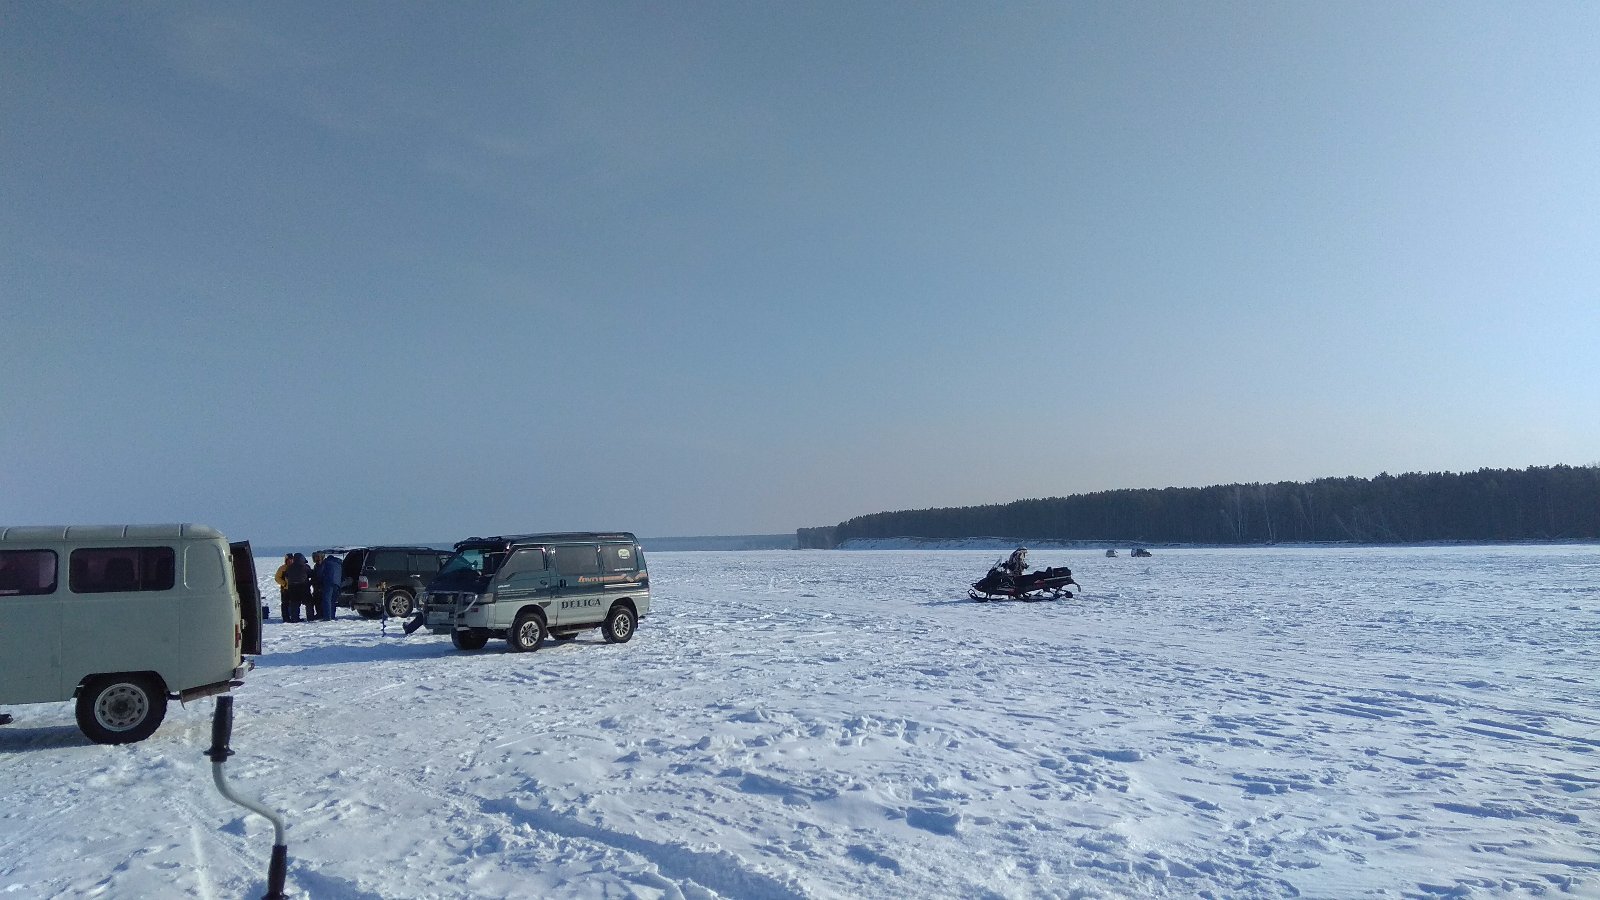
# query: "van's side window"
{"type": "Point", "coordinates": [618, 558]}
{"type": "Point", "coordinates": [27, 572]}
{"type": "Point", "coordinates": [528, 559]}
{"type": "Point", "coordinates": [117, 569]}
{"type": "Point", "coordinates": [580, 560]}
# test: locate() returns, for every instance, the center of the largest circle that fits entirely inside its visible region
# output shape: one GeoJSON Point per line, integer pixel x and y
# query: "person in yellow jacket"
{"type": "Point", "coordinates": [283, 585]}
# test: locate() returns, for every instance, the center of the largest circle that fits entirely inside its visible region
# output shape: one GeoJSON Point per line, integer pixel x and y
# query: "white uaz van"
{"type": "Point", "coordinates": [122, 618]}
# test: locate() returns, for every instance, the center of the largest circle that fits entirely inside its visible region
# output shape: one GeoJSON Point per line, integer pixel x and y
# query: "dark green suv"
{"type": "Point", "coordinates": [386, 581]}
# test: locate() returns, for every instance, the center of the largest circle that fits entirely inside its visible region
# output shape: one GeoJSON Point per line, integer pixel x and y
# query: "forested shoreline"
{"type": "Point", "coordinates": [1538, 503]}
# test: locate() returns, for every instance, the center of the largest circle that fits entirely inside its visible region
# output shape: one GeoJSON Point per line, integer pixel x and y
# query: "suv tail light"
{"type": "Point", "coordinates": [361, 583]}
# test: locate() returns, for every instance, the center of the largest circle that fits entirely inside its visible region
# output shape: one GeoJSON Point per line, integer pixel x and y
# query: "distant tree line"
{"type": "Point", "coordinates": [1538, 503]}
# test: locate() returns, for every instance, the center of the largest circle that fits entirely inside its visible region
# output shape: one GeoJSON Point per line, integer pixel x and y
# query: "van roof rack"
{"type": "Point", "coordinates": [555, 536]}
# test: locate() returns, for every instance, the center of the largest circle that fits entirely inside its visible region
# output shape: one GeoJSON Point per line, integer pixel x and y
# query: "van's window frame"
{"type": "Point", "coordinates": [154, 569]}
{"type": "Point", "coordinates": [516, 563]}
{"type": "Point", "coordinates": [570, 551]}
{"type": "Point", "coordinates": [490, 558]}
{"type": "Point", "coordinates": [618, 558]}
{"type": "Point", "coordinates": [23, 557]}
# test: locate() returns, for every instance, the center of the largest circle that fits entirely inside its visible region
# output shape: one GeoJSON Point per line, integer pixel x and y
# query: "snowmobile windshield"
{"type": "Point", "coordinates": [470, 567]}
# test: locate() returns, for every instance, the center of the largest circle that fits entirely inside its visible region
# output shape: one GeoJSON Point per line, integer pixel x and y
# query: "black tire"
{"type": "Point", "coordinates": [121, 709]}
{"type": "Point", "coordinates": [399, 604]}
{"type": "Point", "coordinates": [472, 639]}
{"type": "Point", "coordinates": [619, 625]}
{"type": "Point", "coordinates": [369, 613]}
{"type": "Point", "coordinates": [527, 632]}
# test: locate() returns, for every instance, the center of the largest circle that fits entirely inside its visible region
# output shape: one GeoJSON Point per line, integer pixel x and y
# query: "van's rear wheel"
{"type": "Point", "coordinates": [472, 639]}
{"type": "Point", "coordinates": [527, 632]}
{"type": "Point", "coordinates": [618, 627]}
{"type": "Point", "coordinates": [121, 709]}
{"type": "Point", "coordinates": [398, 604]}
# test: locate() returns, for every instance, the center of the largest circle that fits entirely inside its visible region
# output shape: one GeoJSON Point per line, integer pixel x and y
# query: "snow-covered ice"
{"type": "Point", "coordinates": [1331, 722]}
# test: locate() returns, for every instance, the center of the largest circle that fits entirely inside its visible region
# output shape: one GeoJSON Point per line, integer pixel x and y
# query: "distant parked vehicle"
{"type": "Point", "coordinates": [1140, 551]}
{"type": "Point", "coordinates": [123, 618]}
{"type": "Point", "coordinates": [387, 581]}
{"type": "Point", "coordinates": [523, 587]}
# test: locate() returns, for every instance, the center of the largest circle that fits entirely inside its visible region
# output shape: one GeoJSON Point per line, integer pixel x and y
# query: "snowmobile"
{"type": "Point", "coordinates": [1041, 584]}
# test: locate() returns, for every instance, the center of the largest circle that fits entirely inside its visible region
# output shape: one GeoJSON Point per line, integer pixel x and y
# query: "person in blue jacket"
{"type": "Point", "coordinates": [330, 570]}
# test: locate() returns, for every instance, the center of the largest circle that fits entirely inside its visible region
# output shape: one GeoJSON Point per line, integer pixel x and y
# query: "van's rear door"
{"type": "Point", "coordinates": [244, 581]}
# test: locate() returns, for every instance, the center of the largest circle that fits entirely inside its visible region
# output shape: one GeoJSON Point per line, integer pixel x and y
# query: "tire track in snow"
{"type": "Point", "coordinates": [720, 871]}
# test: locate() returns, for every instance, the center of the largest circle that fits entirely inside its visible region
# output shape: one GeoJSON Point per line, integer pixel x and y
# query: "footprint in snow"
{"type": "Point", "coordinates": [864, 854]}
{"type": "Point", "coordinates": [1120, 755]}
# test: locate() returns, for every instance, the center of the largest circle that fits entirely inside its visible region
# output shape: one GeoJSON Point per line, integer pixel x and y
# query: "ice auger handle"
{"type": "Point", "coordinates": [221, 734]}
{"type": "Point", "coordinates": [221, 730]}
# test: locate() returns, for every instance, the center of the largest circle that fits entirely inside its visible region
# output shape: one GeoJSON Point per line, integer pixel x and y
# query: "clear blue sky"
{"type": "Point", "coordinates": [400, 271]}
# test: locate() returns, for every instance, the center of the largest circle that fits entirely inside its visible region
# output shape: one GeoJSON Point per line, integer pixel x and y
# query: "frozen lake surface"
{"type": "Point", "coordinates": [1383, 722]}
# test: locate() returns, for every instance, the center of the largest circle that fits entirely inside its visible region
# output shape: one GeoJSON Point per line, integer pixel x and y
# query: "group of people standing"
{"type": "Point", "coordinates": [310, 586]}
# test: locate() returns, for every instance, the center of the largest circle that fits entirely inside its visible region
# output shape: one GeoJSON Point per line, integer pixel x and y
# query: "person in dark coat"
{"type": "Point", "coordinates": [298, 578]}
{"type": "Point", "coordinates": [329, 572]}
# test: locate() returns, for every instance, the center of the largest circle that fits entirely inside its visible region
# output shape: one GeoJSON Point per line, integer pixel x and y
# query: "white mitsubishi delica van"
{"type": "Point", "coordinates": [522, 587]}
{"type": "Point", "coordinates": [123, 618]}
